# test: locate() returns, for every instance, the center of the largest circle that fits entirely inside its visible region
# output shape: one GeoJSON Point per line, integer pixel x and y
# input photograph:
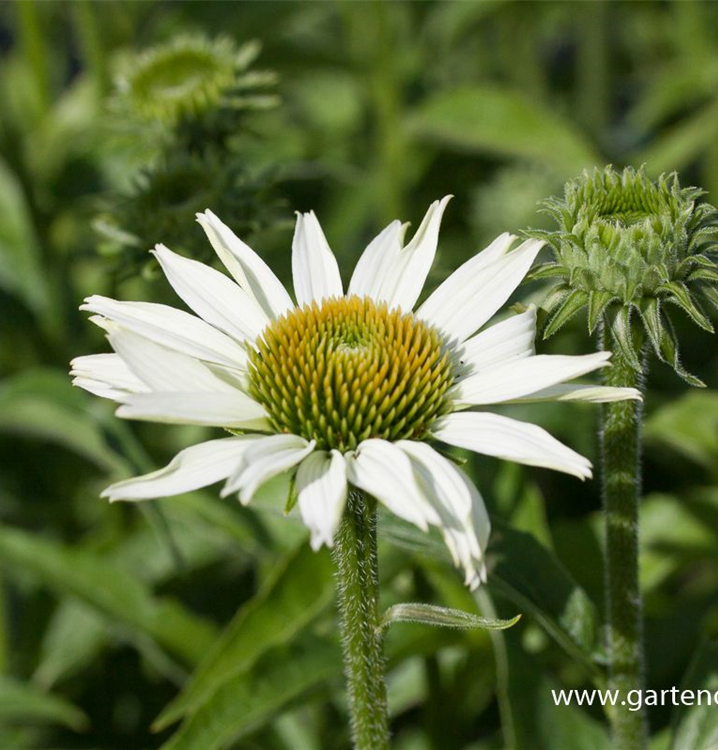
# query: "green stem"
{"type": "Point", "coordinates": [621, 453]}
{"type": "Point", "coordinates": [355, 557]}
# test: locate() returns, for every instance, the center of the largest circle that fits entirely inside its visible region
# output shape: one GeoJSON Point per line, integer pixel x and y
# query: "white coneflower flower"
{"type": "Point", "coordinates": [348, 389]}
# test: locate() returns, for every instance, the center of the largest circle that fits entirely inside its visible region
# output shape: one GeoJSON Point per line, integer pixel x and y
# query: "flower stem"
{"type": "Point", "coordinates": [621, 454]}
{"type": "Point", "coordinates": [355, 557]}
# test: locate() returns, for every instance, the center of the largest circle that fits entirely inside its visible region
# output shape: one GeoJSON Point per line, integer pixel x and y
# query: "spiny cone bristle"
{"type": "Point", "coordinates": [348, 370]}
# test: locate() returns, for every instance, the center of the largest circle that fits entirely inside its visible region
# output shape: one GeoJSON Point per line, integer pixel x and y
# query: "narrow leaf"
{"type": "Point", "coordinates": [110, 590]}
{"type": "Point", "coordinates": [299, 589]}
{"type": "Point", "coordinates": [251, 699]}
{"type": "Point", "coordinates": [622, 333]}
{"type": "Point", "coordinates": [650, 311]}
{"type": "Point", "coordinates": [575, 301]}
{"type": "Point", "coordinates": [669, 348]}
{"type": "Point", "coordinates": [444, 617]}
{"type": "Point", "coordinates": [24, 702]}
{"type": "Point", "coordinates": [679, 295]}
{"type": "Point", "coordinates": [597, 303]}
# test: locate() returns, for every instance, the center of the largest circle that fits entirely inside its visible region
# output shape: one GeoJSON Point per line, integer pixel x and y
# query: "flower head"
{"type": "Point", "coordinates": [189, 75]}
{"type": "Point", "coordinates": [345, 389]}
{"type": "Point", "coordinates": [626, 248]}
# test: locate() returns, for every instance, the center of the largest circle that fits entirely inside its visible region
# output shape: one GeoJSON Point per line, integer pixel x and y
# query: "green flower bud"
{"type": "Point", "coordinates": [627, 249]}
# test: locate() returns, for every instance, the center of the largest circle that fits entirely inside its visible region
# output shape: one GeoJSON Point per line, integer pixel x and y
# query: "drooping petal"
{"type": "Point", "coordinates": [322, 489]}
{"type": "Point", "coordinates": [314, 268]}
{"type": "Point", "coordinates": [374, 268]}
{"type": "Point", "coordinates": [385, 472]}
{"type": "Point", "coordinates": [173, 328]}
{"type": "Point", "coordinates": [514, 379]}
{"type": "Point", "coordinates": [453, 497]}
{"type": "Point", "coordinates": [405, 276]}
{"type": "Point", "coordinates": [251, 273]}
{"type": "Point", "coordinates": [595, 394]}
{"type": "Point", "coordinates": [163, 369]}
{"type": "Point", "coordinates": [510, 339]}
{"type": "Point", "coordinates": [105, 375]}
{"type": "Point", "coordinates": [212, 295]}
{"type": "Point", "coordinates": [233, 409]}
{"type": "Point", "coordinates": [503, 437]}
{"type": "Point", "coordinates": [190, 469]}
{"type": "Point", "coordinates": [478, 288]}
{"type": "Point", "coordinates": [266, 458]}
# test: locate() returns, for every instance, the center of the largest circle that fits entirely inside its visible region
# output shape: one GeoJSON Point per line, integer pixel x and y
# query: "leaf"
{"type": "Point", "coordinates": [575, 301]}
{"type": "Point", "coordinates": [597, 303]}
{"type": "Point", "coordinates": [496, 120]}
{"type": "Point", "coordinates": [24, 702]}
{"type": "Point", "coordinates": [529, 575]}
{"type": "Point", "coordinates": [688, 425]}
{"type": "Point", "coordinates": [20, 263]}
{"type": "Point", "coordinates": [681, 144]}
{"type": "Point", "coordinates": [622, 335]}
{"type": "Point", "coordinates": [679, 295]}
{"type": "Point", "coordinates": [696, 727]}
{"type": "Point", "coordinates": [109, 589]}
{"type": "Point", "coordinates": [537, 583]}
{"type": "Point", "coordinates": [299, 589]}
{"type": "Point", "coordinates": [75, 637]}
{"type": "Point", "coordinates": [42, 403]}
{"type": "Point", "coordinates": [444, 617]}
{"type": "Point", "coordinates": [250, 699]}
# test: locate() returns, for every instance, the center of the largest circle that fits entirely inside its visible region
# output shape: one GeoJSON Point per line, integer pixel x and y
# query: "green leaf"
{"type": "Point", "coordinates": [546, 271]}
{"type": "Point", "coordinates": [126, 604]}
{"type": "Point", "coordinates": [575, 301]}
{"type": "Point", "coordinates": [679, 295]}
{"type": "Point", "coordinates": [491, 119]}
{"type": "Point", "coordinates": [689, 425]}
{"type": "Point", "coordinates": [20, 264]}
{"type": "Point", "coordinates": [444, 617]}
{"type": "Point", "coordinates": [537, 583]}
{"type": "Point", "coordinates": [650, 311]}
{"type": "Point", "coordinates": [669, 349]}
{"type": "Point", "coordinates": [597, 303]}
{"type": "Point", "coordinates": [622, 334]}
{"type": "Point", "coordinates": [696, 727]}
{"type": "Point", "coordinates": [529, 575]}
{"type": "Point", "coordinates": [43, 404]}
{"type": "Point", "coordinates": [24, 702]}
{"type": "Point", "coordinates": [251, 699]}
{"type": "Point", "coordinates": [300, 588]}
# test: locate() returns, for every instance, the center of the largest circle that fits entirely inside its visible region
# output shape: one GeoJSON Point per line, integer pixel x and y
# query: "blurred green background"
{"type": "Point", "coordinates": [219, 619]}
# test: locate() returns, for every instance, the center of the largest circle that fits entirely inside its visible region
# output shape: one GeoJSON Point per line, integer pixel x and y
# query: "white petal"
{"type": "Point", "coordinates": [163, 369]}
{"type": "Point", "coordinates": [232, 409]}
{"type": "Point", "coordinates": [189, 470]}
{"type": "Point", "coordinates": [322, 488]}
{"type": "Point", "coordinates": [385, 472]}
{"type": "Point", "coordinates": [596, 394]}
{"type": "Point", "coordinates": [514, 379]}
{"type": "Point", "coordinates": [406, 275]}
{"type": "Point", "coordinates": [478, 288]}
{"type": "Point", "coordinates": [105, 375]}
{"type": "Point", "coordinates": [248, 269]}
{"type": "Point", "coordinates": [496, 435]}
{"type": "Point", "coordinates": [510, 339]}
{"type": "Point", "coordinates": [265, 459]}
{"type": "Point", "coordinates": [172, 328]}
{"type": "Point", "coordinates": [453, 497]}
{"type": "Point", "coordinates": [314, 267]}
{"type": "Point", "coordinates": [212, 295]}
{"type": "Point", "coordinates": [374, 269]}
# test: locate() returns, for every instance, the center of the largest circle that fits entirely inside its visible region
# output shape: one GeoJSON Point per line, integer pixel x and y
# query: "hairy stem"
{"type": "Point", "coordinates": [355, 557]}
{"type": "Point", "coordinates": [621, 454]}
